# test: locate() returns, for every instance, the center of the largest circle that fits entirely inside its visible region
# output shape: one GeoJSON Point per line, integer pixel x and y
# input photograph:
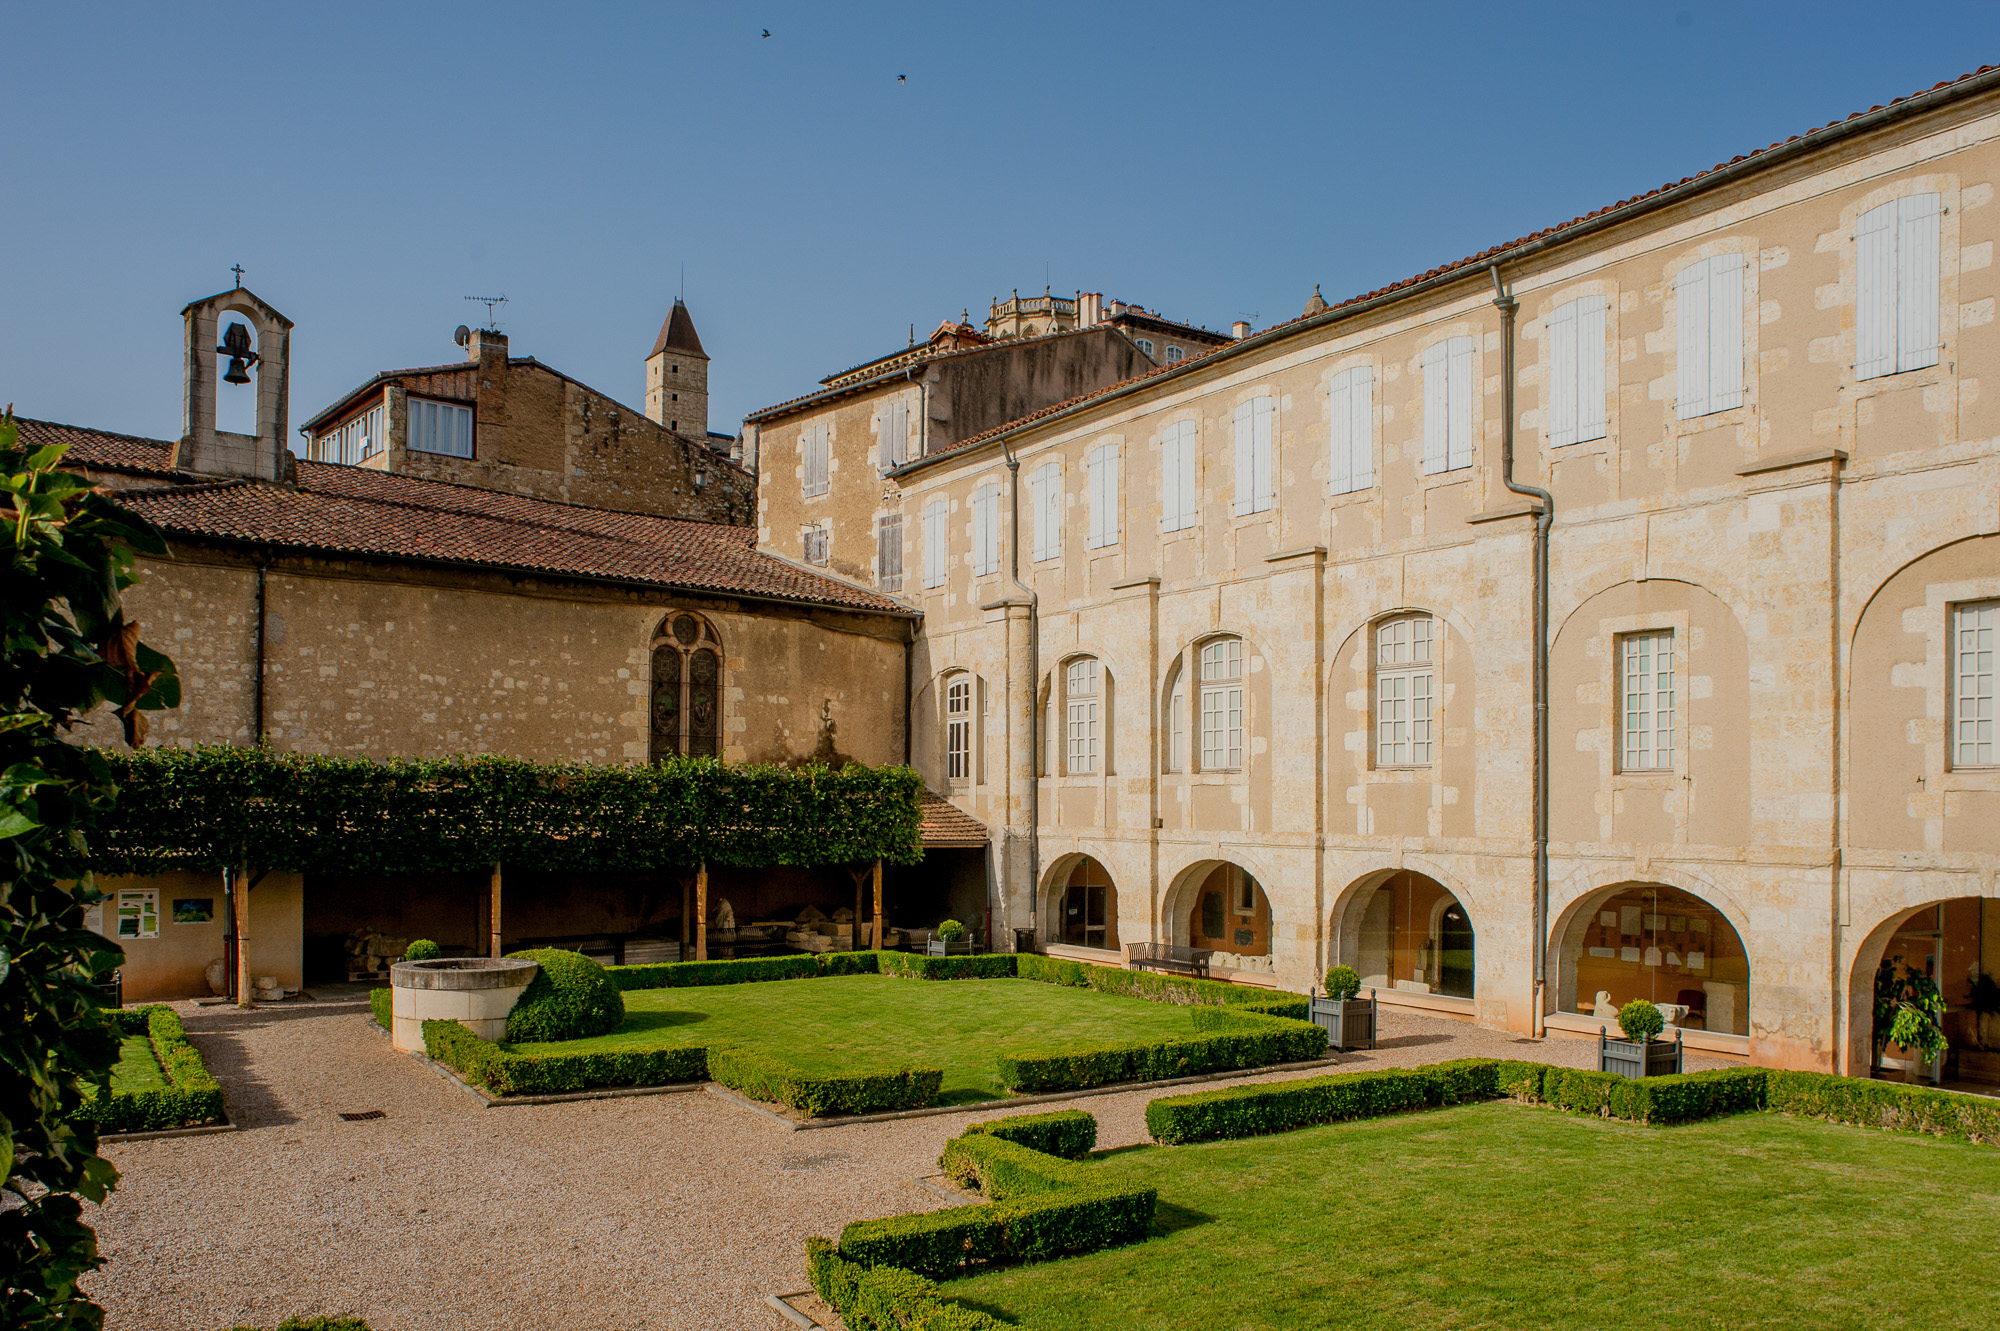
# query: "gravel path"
{"type": "Point", "coordinates": [651, 1213]}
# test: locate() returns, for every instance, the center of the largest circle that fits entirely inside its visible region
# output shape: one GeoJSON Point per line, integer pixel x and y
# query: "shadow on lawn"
{"type": "Point", "coordinates": [657, 1021]}
{"type": "Point", "coordinates": [1171, 1219]}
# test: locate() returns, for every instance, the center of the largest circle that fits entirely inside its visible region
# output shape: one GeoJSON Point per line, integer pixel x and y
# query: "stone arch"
{"type": "Point", "coordinates": [1187, 913]}
{"type": "Point", "coordinates": [1052, 696]}
{"type": "Point", "coordinates": [1079, 897]}
{"type": "Point", "coordinates": [1435, 798]}
{"type": "Point", "coordinates": [1696, 793]}
{"type": "Point", "coordinates": [1927, 892]}
{"type": "Point", "coordinates": [1904, 791]}
{"type": "Point", "coordinates": [1670, 942]}
{"type": "Point", "coordinates": [686, 712]}
{"type": "Point", "coordinates": [1408, 926]}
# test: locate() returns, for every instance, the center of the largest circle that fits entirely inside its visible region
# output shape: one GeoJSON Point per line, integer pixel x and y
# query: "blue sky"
{"type": "Point", "coordinates": [372, 165]}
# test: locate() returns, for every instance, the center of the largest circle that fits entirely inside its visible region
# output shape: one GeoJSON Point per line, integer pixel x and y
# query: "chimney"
{"type": "Point", "coordinates": [1240, 329]}
{"type": "Point", "coordinates": [1089, 309]}
{"type": "Point", "coordinates": [1117, 308]}
{"type": "Point", "coordinates": [486, 342]}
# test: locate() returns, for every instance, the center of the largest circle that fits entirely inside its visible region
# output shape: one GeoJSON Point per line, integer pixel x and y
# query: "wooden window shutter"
{"type": "Point", "coordinates": [1246, 465]}
{"type": "Point", "coordinates": [1459, 449]}
{"type": "Point", "coordinates": [1725, 332]}
{"type": "Point", "coordinates": [1875, 292]}
{"type": "Point", "coordinates": [1590, 354]}
{"type": "Point", "coordinates": [1437, 393]}
{"type": "Point", "coordinates": [1917, 227]}
{"type": "Point", "coordinates": [1564, 390]}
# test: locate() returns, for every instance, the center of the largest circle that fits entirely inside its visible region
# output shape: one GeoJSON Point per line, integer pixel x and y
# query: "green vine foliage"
{"type": "Point", "coordinates": [65, 650]}
{"type": "Point", "coordinates": [208, 807]}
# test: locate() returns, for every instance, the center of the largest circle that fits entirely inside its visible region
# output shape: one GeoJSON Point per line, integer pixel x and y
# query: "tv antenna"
{"type": "Point", "coordinates": [490, 302]}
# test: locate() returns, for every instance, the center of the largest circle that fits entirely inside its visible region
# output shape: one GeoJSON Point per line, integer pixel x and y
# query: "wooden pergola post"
{"type": "Point", "coordinates": [687, 904]}
{"type": "Point", "coordinates": [877, 939]}
{"type": "Point", "coordinates": [493, 912]}
{"type": "Point", "coordinates": [242, 926]}
{"type": "Point", "coordinates": [701, 912]}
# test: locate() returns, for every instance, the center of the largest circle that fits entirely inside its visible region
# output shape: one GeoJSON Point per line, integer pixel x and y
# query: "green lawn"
{"type": "Point", "coordinates": [1507, 1216]}
{"type": "Point", "coordinates": [863, 1021]}
{"type": "Point", "coordinates": [138, 1067]}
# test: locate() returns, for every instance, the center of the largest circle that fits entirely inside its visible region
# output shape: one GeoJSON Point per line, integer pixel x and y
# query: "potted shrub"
{"type": "Point", "coordinates": [1909, 1011]}
{"type": "Point", "coordinates": [1349, 1021]}
{"type": "Point", "coordinates": [1641, 1053]}
{"type": "Point", "coordinates": [951, 941]}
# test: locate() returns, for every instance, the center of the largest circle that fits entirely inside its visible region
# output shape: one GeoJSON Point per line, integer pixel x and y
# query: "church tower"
{"type": "Point", "coordinates": [261, 343]}
{"type": "Point", "coordinates": [677, 378]}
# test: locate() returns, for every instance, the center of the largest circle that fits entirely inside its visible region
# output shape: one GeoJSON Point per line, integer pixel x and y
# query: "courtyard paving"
{"type": "Point", "coordinates": [657, 1213]}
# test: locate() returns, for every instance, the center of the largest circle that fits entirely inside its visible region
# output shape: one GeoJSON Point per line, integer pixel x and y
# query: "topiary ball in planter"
{"type": "Point", "coordinates": [1640, 1021]}
{"type": "Point", "coordinates": [951, 931]}
{"type": "Point", "coordinates": [422, 950]}
{"type": "Point", "coordinates": [570, 998]}
{"type": "Point", "coordinates": [1342, 983]}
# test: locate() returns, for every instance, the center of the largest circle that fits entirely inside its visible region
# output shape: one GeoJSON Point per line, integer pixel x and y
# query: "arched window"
{"type": "Point", "coordinates": [1078, 718]}
{"type": "Point", "coordinates": [687, 689]}
{"type": "Point", "coordinates": [1221, 704]}
{"type": "Point", "coordinates": [1405, 691]}
{"type": "Point", "coordinates": [958, 728]}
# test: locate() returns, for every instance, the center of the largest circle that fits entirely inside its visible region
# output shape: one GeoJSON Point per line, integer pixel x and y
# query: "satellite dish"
{"type": "Point", "coordinates": [462, 335]}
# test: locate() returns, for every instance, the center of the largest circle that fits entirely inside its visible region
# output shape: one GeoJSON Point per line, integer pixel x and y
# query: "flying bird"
{"type": "Point", "coordinates": [902, 78]}
{"type": "Point", "coordinates": [767, 32]}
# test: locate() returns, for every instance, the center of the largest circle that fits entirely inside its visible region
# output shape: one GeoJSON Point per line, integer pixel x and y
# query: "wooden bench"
{"type": "Point", "coordinates": [1169, 957]}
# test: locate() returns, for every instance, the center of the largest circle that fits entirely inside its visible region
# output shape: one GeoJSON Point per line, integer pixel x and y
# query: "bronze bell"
{"type": "Point", "coordinates": [236, 346]}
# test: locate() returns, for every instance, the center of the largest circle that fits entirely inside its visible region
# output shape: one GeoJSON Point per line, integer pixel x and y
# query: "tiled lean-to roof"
{"type": "Point", "coordinates": [361, 513]}
{"type": "Point", "coordinates": [1983, 79]}
{"type": "Point", "coordinates": [946, 825]}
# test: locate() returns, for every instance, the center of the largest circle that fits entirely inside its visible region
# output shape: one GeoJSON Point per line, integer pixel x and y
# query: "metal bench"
{"type": "Point", "coordinates": [1169, 957]}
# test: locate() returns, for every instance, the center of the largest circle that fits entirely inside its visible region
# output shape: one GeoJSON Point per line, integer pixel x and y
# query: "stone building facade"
{"type": "Point", "coordinates": [1266, 679]}
{"type": "Point", "coordinates": [514, 424]}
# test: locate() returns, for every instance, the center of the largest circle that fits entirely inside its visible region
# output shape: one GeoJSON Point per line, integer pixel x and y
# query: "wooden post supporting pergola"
{"type": "Point", "coordinates": [687, 904]}
{"type": "Point", "coordinates": [701, 912]}
{"type": "Point", "coordinates": [493, 912]}
{"type": "Point", "coordinates": [242, 926]}
{"type": "Point", "coordinates": [877, 940]}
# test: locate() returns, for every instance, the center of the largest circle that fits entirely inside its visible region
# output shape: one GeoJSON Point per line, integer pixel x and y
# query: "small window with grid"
{"type": "Point", "coordinates": [1081, 716]}
{"type": "Point", "coordinates": [1973, 631]}
{"type": "Point", "coordinates": [1222, 704]}
{"type": "Point", "coordinates": [1646, 702]}
{"type": "Point", "coordinates": [958, 729]}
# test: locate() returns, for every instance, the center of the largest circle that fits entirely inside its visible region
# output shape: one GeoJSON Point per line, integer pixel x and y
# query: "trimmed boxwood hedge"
{"type": "Point", "coordinates": [983, 966]}
{"type": "Point", "coordinates": [1884, 1104]}
{"type": "Point", "coordinates": [1042, 1207]}
{"type": "Point", "coordinates": [516, 1072]}
{"type": "Point", "coordinates": [1152, 985]}
{"type": "Point", "coordinates": [1239, 1039]}
{"type": "Point", "coordinates": [191, 1097]}
{"type": "Point", "coordinates": [570, 998]}
{"type": "Point", "coordinates": [1250, 1111]}
{"type": "Point", "coordinates": [382, 1005]}
{"type": "Point", "coordinates": [886, 1298]}
{"type": "Point", "coordinates": [1068, 1133]}
{"type": "Point", "coordinates": [746, 970]}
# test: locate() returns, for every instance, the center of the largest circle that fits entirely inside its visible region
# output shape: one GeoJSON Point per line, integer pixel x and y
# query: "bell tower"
{"type": "Point", "coordinates": [261, 367]}
{"type": "Point", "coordinates": [677, 378]}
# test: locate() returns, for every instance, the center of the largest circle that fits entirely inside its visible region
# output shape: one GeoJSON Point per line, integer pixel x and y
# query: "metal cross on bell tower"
{"type": "Point", "coordinates": [238, 270]}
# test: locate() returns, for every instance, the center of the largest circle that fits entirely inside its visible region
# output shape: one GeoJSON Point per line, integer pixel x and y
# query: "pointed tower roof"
{"type": "Point", "coordinates": [678, 333]}
{"type": "Point", "coordinates": [1317, 305]}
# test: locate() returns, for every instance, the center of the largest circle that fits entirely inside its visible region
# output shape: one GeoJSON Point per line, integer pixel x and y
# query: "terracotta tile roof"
{"type": "Point", "coordinates": [946, 825]}
{"type": "Point", "coordinates": [1976, 81]}
{"type": "Point", "coordinates": [352, 511]}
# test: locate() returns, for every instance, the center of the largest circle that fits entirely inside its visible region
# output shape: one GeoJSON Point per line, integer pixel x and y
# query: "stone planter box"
{"type": "Point", "coordinates": [476, 992]}
{"type": "Point", "coordinates": [1350, 1023]}
{"type": "Point", "coordinates": [1629, 1058]}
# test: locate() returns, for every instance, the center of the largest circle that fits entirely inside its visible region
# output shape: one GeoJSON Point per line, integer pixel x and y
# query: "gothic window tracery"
{"type": "Point", "coordinates": [687, 689]}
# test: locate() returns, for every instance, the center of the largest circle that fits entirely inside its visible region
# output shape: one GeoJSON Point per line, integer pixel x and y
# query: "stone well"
{"type": "Point", "coordinates": [476, 992]}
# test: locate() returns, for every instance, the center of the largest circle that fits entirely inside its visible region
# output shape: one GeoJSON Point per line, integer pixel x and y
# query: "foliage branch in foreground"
{"type": "Point", "coordinates": [66, 649]}
{"type": "Point", "coordinates": [209, 807]}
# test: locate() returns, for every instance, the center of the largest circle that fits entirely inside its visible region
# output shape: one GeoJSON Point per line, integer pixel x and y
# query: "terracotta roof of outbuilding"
{"type": "Point", "coordinates": [1979, 80]}
{"type": "Point", "coordinates": [946, 825]}
{"type": "Point", "coordinates": [362, 513]}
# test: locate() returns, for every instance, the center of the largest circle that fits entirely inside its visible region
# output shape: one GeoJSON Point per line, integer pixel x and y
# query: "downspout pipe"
{"type": "Point", "coordinates": [1544, 518]}
{"type": "Point", "coordinates": [1034, 687]}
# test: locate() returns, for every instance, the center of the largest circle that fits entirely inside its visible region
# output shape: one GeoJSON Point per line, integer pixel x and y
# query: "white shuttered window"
{"type": "Point", "coordinates": [1447, 369]}
{"type": "Point", "coordinates": [812, 444]}
{"type": "Point", "coordinates": [1180, 499]}
{"type": "Point", "coordinates": [1708, 336]}
{"type": "Point", "coordinates": [895, 440]}
{"type": "Point", "coordinates": [1351, 464]}
{"type": "Point", "coordinates": [1973, 631]}
{"type": "Point", "coordinates": [1101, 473]}
{"type": "Point", "coordinates": [1256, 428]}
{"type": "Point", "coordinates": [1896, 286]}
{"type": "Point", "coordinates": [1576, 371]}
{"type": "Point", "coordinates": [937, 546]}
{"type": "Point", "coordinates": [1045, 496]}
{"type": "Point", "coordinates": [985, 530]}
{"type": "Point", "coordinates": [889, 552]}
{"type": "Point", "coordinates": [1647, 689]}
